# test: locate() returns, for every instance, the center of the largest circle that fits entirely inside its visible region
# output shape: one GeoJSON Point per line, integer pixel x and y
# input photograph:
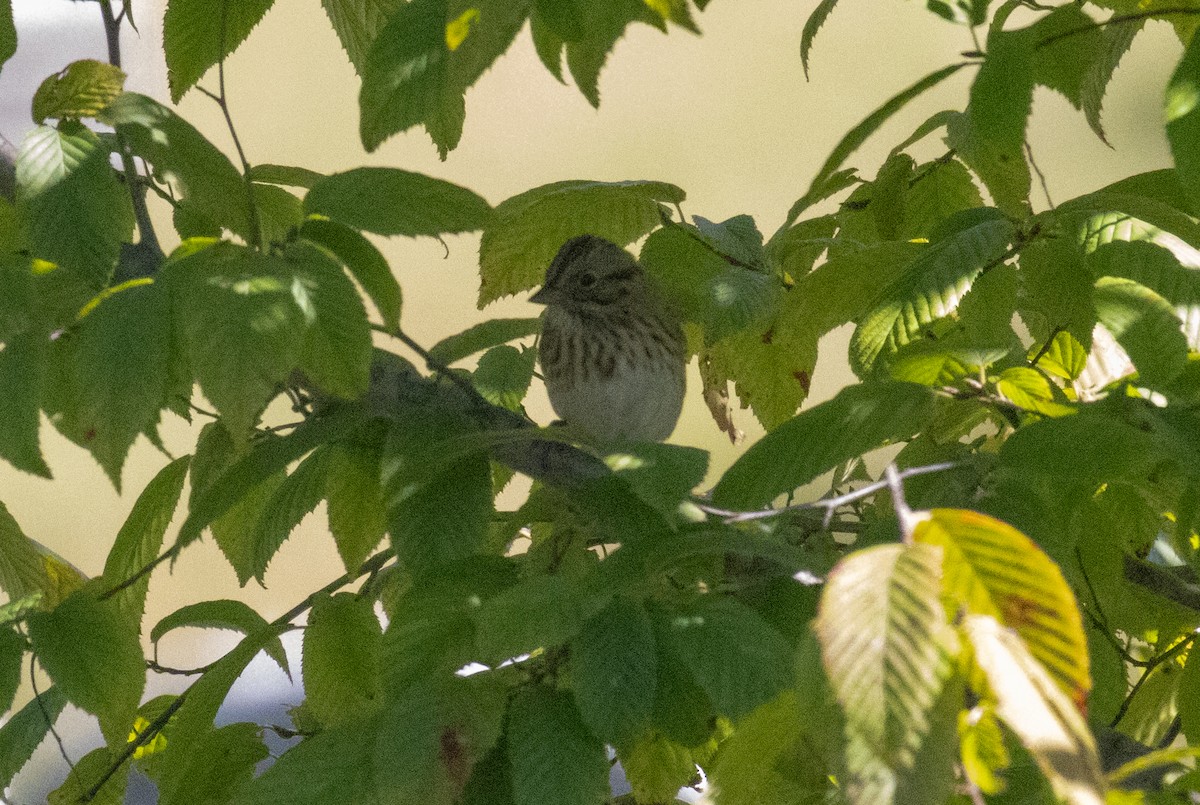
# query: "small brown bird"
{"type": "Point", "coordinates": [612, 355]}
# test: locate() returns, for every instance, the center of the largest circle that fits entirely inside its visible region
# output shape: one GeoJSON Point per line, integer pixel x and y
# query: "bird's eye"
{"type": "Point", "coordinates": [586, 279]}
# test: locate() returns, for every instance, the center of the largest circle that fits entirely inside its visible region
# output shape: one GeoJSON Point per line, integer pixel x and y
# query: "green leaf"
{"type": "Point", "coordinates": [1115, 41]}
{"type": "Point", "coordinates": [87, 773]}
{"type": "Point", "coordinates": [290, 501]}
{"type": "Point", "coordinates": [603, 25]}
{"type": "Point", "coordinates": [938, 190]}
{"type": "Point", "coordinates": [1027, 388]}
{"type": "Point", "coordinates": [8, 32]}
{"type": "Point", "coordinates": [237, 533]}
{"type": "Point", "coordinates": [91, 651]}
{"type": "Point", "coordinates": [859, 134]}
{"type": "Point", "coordinates": [240, 326]}
{"type": "Point", "coordinates": [279, 213]}
{"type": "Point", "coordinates": [267, 457]}
{"type": "Point", "coordinates": [22, 569]}
{"type": "Point", "coordinates": [737, 658]}
{"type": "Point", "coordinates": [656, 767]}
{"type": "Point", "coordinates": [1146, 327]}
{"type": "Point", "coordinates": [1182, 108]}
{"type": "Point", "coordinates": [1041, 715]}
{"type": "Point", "coordinates": [479, 337]}
{"type": "Point", "coordinates": [22, 368]}
{"type": "Point", "coordinates": [990, 137]}
{"type": "Point", "coordinates": [563, 17]}
{"type": "Point", "coordinates": [771, 364]}
{"type": "Point", "coordinates": [1057, 287]}
{"type": "Point", "coordinates": [846, 286]}
{"type": "Point", "coordinates": [706, 288]}
{"type": "Point", "coordinates": [216, 767]}
{"type": "Point", "coordinates": [1158, 269]}
{"type": "Point", "coordinates": [760, 761]}
{"type": "Point", "coordinates": [357, 517]}
{"type": "Point", "coordinates": [548, 44]}
{"type": "Point", "coordinates": [614, 670]}
{"type": "Point", "coordinates": [357, 23]}
{"type": "Point", "coordinates": [363, 261]}
{"type": "Point", "coordinates": [141, 536]}
{"type": "Point", "coordinates": [504, 374]}
{"type": "Point", "coordinates": [82, 89]}
{"type": "Point", "coordinates": [990, 568]}
{"type": "Point", "coordinates": [931, 287]}
{"type": "Point", "coordinates": [112, 375]}
{"type": "Point", "coordinates": [424, 59]}
{"type": "Point", "coordinates": [438, 503]}
{"type": "Point", "coordinates": [12, 652]}
{"type": "Point", "coordinates": [1065, 357]}
{"type": "Point", "coordinates": [23, 733]}
{"type": "Point", "coordinates": [881, 629]}
{"type": "Point", "coordinates": [206, 182]}
{"type": "Point", "coordinates": [541, 612]}
{"type": "Point", "coordinates": [554, 758]}
{"type": "Point", "coordinates": [813, 24]}
{"type": "Point", "coordinates": [1189, 699]}
{"type": "Point", "coordinates": [860, 418]}
{"type": "Point", "coordinates": [194, 718]}
{"type": "Point", "coordinates": [1065, 63]}
{"type": "Point", "coordinates": [660, 474]}
{"type": "Point", "coordinates": [221, 614]}
{"type": "Point", "coordinates": [289, 175]}
{"type": "Point", "coordinates": [527, 230]}
{"type": "Point", "coordinates": [1116, 215]}
{"type": "Point", "coordinates": [792, 251]}
{"type": "Point", "coordinates": [197, 34]}
{"type": "Point", "coordinates": [335, 349]}
{"type": "Point", "coordinates": [341, 659]}
{"type": "Point", "coordinates": [390, 201]}
{"type": "Point", "coordinates": [75, 211]}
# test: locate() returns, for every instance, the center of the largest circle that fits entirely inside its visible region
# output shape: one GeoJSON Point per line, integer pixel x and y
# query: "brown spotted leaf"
{"type": "Point", "coordinates": [991, 568]}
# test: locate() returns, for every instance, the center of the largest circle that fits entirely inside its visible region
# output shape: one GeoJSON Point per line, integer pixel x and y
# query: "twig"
{"type": "Point", "coordinates": [1041, 353]}
{"type": "Point", "coordinates": [828, 504]}
{"type": "Point", "coordinates": [372, 565]}
{"type": "Point", "coordinates": [222, 100]}
{"type": "Point", "coordinates": [147, 239]}
{"type": "Point", "coordinates": [62, 749]}
{"type": "Point", "coordinates": [1116, 19]}
{"type": "Point", "coordinates": [1155, 661]}
{"type": "Point", "coordinates": [1038, 172]}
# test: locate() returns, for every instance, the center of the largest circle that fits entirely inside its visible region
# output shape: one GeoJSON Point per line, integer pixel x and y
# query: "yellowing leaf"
{"type": "Point", "coordinates": [1030, 389]}
{"type": "Point", "coordinates": [458, 29]}
{"type": "Point", "coordinates": [1034, 707]}
{"type": "Point", "coordinates": [81, 90]}
{"type": "Point", "coordinates": [991, 568]}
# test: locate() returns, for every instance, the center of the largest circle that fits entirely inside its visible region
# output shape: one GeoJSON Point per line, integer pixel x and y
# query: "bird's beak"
{"type": "Point", "coordinates": [543, 296]}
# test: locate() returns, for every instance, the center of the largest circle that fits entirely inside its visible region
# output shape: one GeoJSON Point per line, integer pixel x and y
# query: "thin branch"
{"type": "Point", "coordinates": [1171, 653]}
{"type": "Point", "coordinates": [1041, 353]}
{"type": "Point", "coordinates": [1116, 19]}
{"type": "Point", "coordinates": [147, 239]}
{"type": "Point", "coordinates": [222, 100]}
{"type": "Point", "coordinates": [1041, 176]}
{"type": "Point", "coordinates": [372, 565]}
{"type": "Point", "coordinates": [37, 696]}
{"type": "Point", "coordinates": [827, 504]}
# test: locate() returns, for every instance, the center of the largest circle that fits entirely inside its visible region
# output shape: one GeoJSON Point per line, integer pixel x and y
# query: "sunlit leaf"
{"type": "Point", "coordinates": [82, 89]}
{"type": "Point", "coordinates": [990, 568]}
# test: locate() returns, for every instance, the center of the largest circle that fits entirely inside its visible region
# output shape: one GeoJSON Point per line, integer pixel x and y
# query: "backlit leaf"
{"type": "Point", "coordinates": [1146, 327]}
{"type": "Point", "coordinates": [390, 201]}
{"type": "Point", "coordinates": [357, 23]}
{"type": "Point", "coordinates": [880, 625]}
{"type": "Point", "coordinates": [990, 568]}
{"type": "Point", "coordinates": [527, 230]}
{"type": "Point", "coordinates": [341, 659]}
{"type": "Point", "coordinates": [82, 89]}
{"type": "Point", "coordinates": [363, 261]}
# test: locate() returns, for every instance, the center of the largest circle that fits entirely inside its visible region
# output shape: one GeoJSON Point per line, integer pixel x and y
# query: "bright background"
{"type": "Point", "coordinates": [727, 116]}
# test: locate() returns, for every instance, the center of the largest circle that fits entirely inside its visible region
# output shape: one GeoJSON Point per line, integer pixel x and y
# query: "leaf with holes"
{"type": "Point", "coordinates": [991, 568]}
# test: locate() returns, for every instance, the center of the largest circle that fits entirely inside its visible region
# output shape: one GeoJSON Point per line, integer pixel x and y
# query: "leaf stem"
{"type": "Point", "coordinates": [152, 254]}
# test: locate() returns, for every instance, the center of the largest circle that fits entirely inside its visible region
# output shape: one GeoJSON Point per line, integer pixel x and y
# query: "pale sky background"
{"type": "Point", "coordinates": [727, 116]}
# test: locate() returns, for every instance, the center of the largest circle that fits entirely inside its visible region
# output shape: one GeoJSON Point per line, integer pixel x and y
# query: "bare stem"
{"type": "Point", "coordinates": [147, 239]}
